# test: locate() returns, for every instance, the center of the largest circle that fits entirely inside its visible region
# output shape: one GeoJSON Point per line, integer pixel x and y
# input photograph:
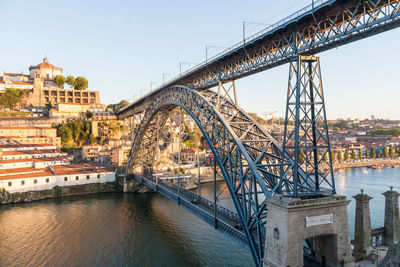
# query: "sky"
{"type": "Point", "coordinates": [124, 47]}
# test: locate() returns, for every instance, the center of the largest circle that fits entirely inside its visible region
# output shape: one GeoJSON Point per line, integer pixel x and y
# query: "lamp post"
{"type": "Point", "coordinates": [164, 75]}
{"type": "Point", "coordinates": [212, 46]}
{"type": "Point", "coordinates": [246, 23]}
{"type": "Point", "coordinates": [151, 85]}
{"type": "Point", "coordinates": [184, 63]}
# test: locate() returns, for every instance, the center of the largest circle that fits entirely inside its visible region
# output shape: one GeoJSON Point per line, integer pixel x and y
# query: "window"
{"type": "Point", "coordinates": [87, 177]}
{"type": "Point", "coordinates": [98, 175]}
{"type": "Point", "coordinates": [35, 181]}
{"type": "Point", "coordinates": [65, 178]}
{"type": "Point", "coordinates": [9, 183]}
{"type": "Point", "coordinates": [47, 180]}
{"type": "Point", "coordinates": [77, 178]}
{"type": "Point", "coordinates": [22, 182]}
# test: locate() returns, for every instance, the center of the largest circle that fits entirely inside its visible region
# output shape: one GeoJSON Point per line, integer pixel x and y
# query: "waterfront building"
{"type": "Point", "coordinates": [29, 167]}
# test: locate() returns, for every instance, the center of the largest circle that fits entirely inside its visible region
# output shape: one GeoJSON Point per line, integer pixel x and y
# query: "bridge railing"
{"type": "Point", "coordinates": [377, 236]}
{"type": "Point", "coordinates": [313, 5]}
{"type": "Point", "coordinates": [227, 213]}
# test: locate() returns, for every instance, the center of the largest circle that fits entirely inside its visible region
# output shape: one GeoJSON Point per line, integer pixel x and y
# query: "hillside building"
{"type": "Point", "coordinates": [42, 90]}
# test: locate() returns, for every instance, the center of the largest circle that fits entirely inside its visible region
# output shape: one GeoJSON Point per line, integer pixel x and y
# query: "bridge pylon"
{"type": "Point", "coordinates": [306, 137]}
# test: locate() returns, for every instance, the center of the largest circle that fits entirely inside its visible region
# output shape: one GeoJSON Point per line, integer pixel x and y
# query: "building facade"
{"type": "Point", "coordinates": [43, 90]}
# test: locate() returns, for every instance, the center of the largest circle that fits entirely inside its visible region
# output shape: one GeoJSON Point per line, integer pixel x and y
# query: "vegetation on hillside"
{"type": "Point", "coordinates": [393, 132]}
{"type": "Point", "coordinates": [11, 97]}
{"type": "Point", "coordinates": [115, 107]}
{"type": "Point", "coordinates": [76, 133]}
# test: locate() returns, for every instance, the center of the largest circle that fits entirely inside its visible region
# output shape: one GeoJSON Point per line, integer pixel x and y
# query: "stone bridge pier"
{"type": "Point", "coordinates": [292, 220]}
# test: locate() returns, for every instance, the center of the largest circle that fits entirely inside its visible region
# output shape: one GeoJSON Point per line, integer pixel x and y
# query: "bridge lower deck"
{"type": "Point", "coordinates": [222, 219]}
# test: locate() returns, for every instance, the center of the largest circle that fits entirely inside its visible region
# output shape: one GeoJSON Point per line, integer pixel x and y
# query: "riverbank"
{"type": "Point", "coordinates": [368, 163]}
{"type": "Point", "coordinates": [58, 191]}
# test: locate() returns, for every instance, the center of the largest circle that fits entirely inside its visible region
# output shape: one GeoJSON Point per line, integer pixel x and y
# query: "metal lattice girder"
{"type": "Point", "coordinates": [308, 141]}
{"type": "Point", "coordinates": [249, 159]}
{"type": "Point", "coordinates": [323, 27]}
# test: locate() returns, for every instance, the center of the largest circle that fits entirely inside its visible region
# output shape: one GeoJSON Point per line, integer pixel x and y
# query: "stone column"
{"type": "Point", "coordinates": [292, 220]}
{"type": "Point", "coordinates": [362, 227]}
{"type": "Point", "coordinates": [392, 221]}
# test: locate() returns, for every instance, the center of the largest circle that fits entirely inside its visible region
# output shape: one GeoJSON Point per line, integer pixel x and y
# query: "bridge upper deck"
{"type": "Point", "coordinates": [318, 27]}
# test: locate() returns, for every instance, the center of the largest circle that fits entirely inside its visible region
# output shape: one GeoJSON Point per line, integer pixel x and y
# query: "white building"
{"type": "Point", "coordinates": [42, 167]}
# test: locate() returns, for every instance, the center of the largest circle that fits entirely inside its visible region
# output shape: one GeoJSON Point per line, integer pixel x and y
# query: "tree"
{"type": "Point", "coordinates": [71, 81]}
{"type": "Point", "coordinates": [11, 97]}
{"type": "Point", "coordinates": [59, 80]}
{"type": "Point", "coordinates": [360, 155]}
{"type": "Point", "coordinates": [325, 158]}
{"type": "Point", "coordinates": [385, 152]}
{"type": "Point", "coordinates": [81, 83]}
{"type": "Point", "coordinates": [339, 156]}
{"type": "Point", "coordinates": [115, 107]}
{"type": "Point", "coordinates": [391, 151]}
{"type": "Point", "coordinates": [366, 153]}
{"type": "Point", "coordinates": [353, 154]}
{"type": "Point", "coordinates": [373, 152]}
{"type": "Point", "coordinates": [346, 155]}
{"type": "Point", "coordinates": [332, 156]}
{"type": "Point", "coordinates": [65, 133]}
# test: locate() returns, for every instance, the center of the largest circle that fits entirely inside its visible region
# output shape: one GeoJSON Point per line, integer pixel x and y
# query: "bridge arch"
{"type": "Point", "coordinates": [250, 160]}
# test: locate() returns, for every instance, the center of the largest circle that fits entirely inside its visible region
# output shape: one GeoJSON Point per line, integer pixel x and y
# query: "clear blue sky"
{"type": "Point", "coordinates": [122, 46]}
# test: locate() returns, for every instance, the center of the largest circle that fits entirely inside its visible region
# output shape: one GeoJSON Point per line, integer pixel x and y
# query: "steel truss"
{"type": "Point", "coordinates": [329, 25]}
{"type": "Point", "coordinates": [307, 142]}
{"type": "Point", "coordinates": [249, 159]}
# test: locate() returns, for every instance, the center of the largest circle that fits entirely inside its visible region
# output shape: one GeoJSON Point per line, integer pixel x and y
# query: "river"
{"type": "Point", "coordinates": [143, 229]}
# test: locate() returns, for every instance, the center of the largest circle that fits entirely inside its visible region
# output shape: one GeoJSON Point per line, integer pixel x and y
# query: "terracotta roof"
{"type": "Point", "coordinates": [32, 160]}
{"type": "Point", "coordinates": [21, 170]}
{"type": "Point", "coordinates": [19, 83]}
{"type": "Point", "coordinates": [25, 145]}
{"type": "Point", "coordinates": [45, 173]}
{"type": "Point", "coordinates": [80, 168]}
{"type": "Point", "coordinates": [30, 152]}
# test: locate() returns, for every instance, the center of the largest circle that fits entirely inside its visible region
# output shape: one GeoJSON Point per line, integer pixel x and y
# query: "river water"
{"type": "Point", "coordinates": [142, 229]}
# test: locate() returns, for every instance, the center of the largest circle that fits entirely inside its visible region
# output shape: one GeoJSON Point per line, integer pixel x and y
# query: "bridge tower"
{"type": "Point", "coordinates": [307, 220]}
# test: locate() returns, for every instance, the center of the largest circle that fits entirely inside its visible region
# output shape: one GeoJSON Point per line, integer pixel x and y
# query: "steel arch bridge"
{"type": "Point", "coordinates": [250, 160]}
{"type": "Point", "coordinates": [253, 164]}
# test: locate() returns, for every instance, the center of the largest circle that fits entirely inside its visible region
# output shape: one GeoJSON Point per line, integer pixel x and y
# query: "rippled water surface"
{"type": "Point", "coordinates": [142, 229]}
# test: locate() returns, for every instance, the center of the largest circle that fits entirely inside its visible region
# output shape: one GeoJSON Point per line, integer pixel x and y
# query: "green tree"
{"type": "Point", "coordinates": [325, 158]}
{"type": "Point", "coordinates": [373, 152]}
{"type": "Point", "coordinates": [11, 97]}
{"type": "Point", "coordinates": [59, 80]}
{"type": "Point", "coordinates": [353, 154]}
{"type": "Point", "coordinates": [65, 133]}
{"type": "Point", "coordinates": [366, 153]}
{"type": "Point", "coordinates": [360, 155]}
{"type": "Point", "coordinates": [332, 156]}
{"type": "Point", "coordinates": [71, 81]}
{"type": "Point", "coordinates": [339, 156]}
{"type": "Point", "coordinates": [346, 155]}
{"type": "Point", "coordinates": [81, 83]}
{"type": "Point", "coordinates": [115, 107]}
{"type": "Point", "coordinates": [391, 151]}
{"type": "Point", "coordinates": [385, 152]}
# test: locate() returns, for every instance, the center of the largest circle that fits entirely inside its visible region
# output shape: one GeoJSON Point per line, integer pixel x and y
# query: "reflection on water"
{"type": "Point", "coordinates": [112, 230]}
{"type": "Point", "coordinates": [144, 229]}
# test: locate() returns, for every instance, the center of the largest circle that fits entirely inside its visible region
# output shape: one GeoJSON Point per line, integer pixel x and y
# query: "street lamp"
{"type": "Point", "coordinates": [246, 23]}
{"type": "Point", "coordinates": [212, 46]}
{"type": "Point", "coordinates": [151, 85]}
{"type": "Point", "coordinates": [184, 63]}
{"type": "Point", "coordinates": [164, 75]}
